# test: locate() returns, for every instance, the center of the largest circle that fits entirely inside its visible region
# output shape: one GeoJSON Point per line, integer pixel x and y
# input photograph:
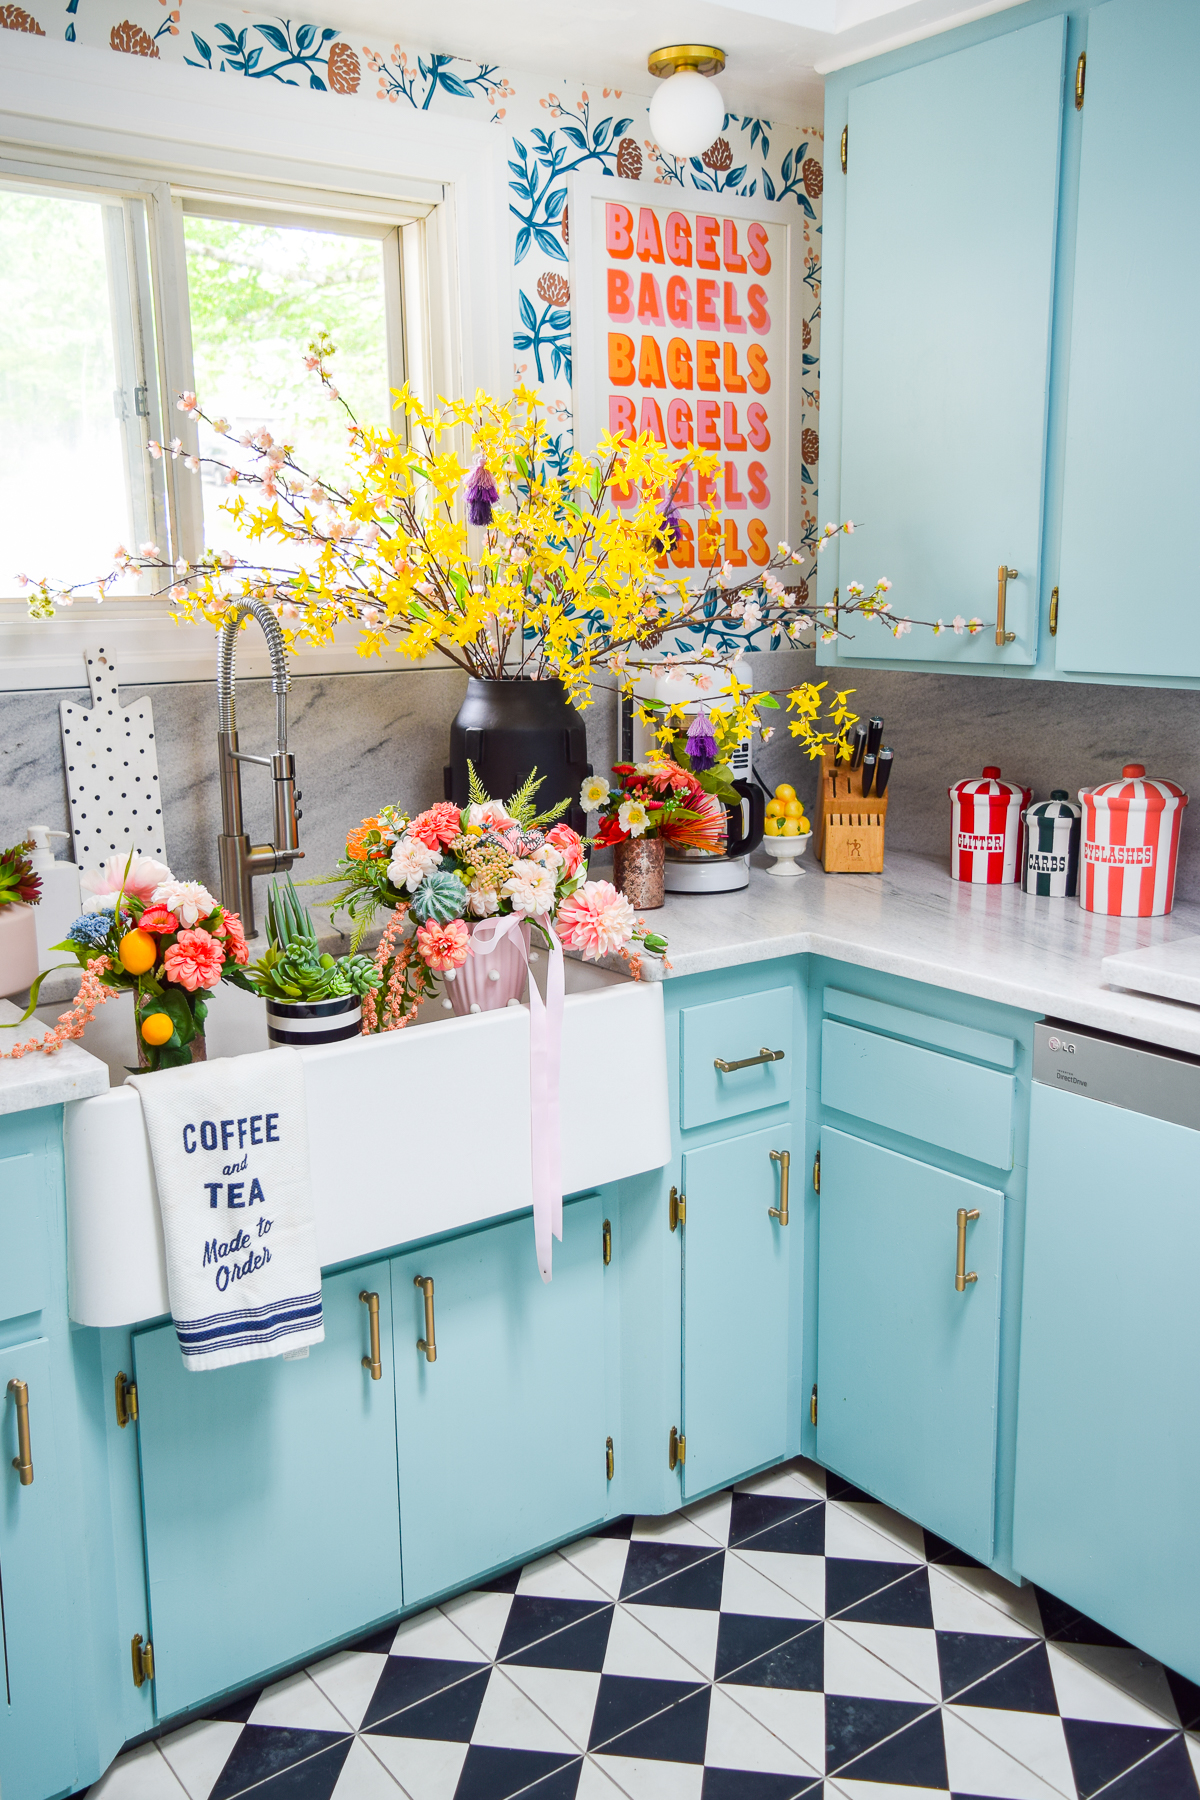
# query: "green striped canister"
{"type": "Point", "coordinates": [1052, 846]}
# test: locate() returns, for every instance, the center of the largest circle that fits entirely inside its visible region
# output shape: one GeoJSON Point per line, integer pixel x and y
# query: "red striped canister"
{"type": "Point", "coordinates": [1130, 845]}
{"type": "Point", "coordinates": [986, 831]}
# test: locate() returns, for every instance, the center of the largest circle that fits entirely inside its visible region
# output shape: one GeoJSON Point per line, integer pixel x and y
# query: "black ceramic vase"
{"type": "Point", "coordinates": [507, 728]}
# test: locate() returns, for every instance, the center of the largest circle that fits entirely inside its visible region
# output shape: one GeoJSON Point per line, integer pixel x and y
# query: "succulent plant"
{"type": "Point", "coordinates": [442, 895]}
{"type": "Point", "coordinates": [17, 879]}
{"type": "Point", "coordinates": [293, 966]}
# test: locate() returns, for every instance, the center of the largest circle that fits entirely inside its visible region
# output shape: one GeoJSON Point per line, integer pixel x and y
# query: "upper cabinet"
{"type": "Point", "coordinates": [1133, 415]}
{"type": "Point", "coordinates": [951, 205]}
{"type": "Point", "coordinates": [1010, 381]}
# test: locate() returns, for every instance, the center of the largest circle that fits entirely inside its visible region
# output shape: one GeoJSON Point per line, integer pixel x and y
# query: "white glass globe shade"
{"type": "Point", "coordinates": [687, 113]}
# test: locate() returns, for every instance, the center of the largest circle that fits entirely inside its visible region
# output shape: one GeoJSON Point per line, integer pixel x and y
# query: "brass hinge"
{"type": "Point", "coordinates": [606, 1241]}
{"type": "Point", "coordinates": [127, 1401]}
{"type": "Point", "coordinates": [677, 1208]}
{"type": "Point", "coordinates": [1053, 612]}
{"type": "Point", "coordinates": [143, 1660]}
{"type": "Point", "coordinates": [1080, 78]}
{"type": "Point", "coordinates": [845, 142]}
{"type": "Point", "coordinates": [817, 1173]}
{"type": "Point", "coordinates": [609, 1459]}
{"type": "Point", "coordinates": [676, 1449]}
{"type": "Point", "coordinates": [812, 1406]}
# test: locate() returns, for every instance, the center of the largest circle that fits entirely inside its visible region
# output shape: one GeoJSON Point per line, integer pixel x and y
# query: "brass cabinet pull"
{"type": "Point", "coordinates": [784, 1159]}
{"type": "Point", "coordinates": [961, 1277]}
{"type": "Point", "coordinates": [606, 1242]}
{"type": "Point", "coordinates": [610, 1463]}
{"type": "Point", "coordinates": [1053, 612]}
{"type": "Point", "coordinates": [1080, 79]}
{"type": "Point", "coordinates": [845, 143]}
{"type": "Point", "coordinates": [22, 1462]}
{"type": "Point", "coordinates": [1003, 576]}
{"type": "Point", "coordinates": [372, 1362]}
{"type": "Point", "coordinates": [748, 1062]}
{"type": "Point", "coordinates": [428, 1343]}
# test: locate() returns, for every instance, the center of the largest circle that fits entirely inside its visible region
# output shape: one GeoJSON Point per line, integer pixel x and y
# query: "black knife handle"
{"type": "Point", "coordinates": [868, 773]}
{"type": "Point", "coordinates": [883, 771]}
{"type": "Point", "coordinates": [860, 744]}
{"type": "Point", "coordinates": [874, 737]}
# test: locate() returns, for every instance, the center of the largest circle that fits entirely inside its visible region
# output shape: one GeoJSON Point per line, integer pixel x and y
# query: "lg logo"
{"type": "Point", "coordinates": [1054, 1043]}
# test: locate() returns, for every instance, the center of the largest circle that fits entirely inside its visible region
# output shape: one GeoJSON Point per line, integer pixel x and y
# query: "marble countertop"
{"type": "Point", "coordinates": [39, 1080]}
{"type": "Point", "coordinates": [999, 943]}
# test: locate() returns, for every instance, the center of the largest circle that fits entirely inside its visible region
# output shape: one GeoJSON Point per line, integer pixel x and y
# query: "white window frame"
{"type": "Point", "coordinates": [96, 121]}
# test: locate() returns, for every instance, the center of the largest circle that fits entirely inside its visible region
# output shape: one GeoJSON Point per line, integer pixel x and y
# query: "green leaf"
{"type": "Point", "coordinates": [174, 1003]}
{"type": "Point", "coordinates": [768, 700]}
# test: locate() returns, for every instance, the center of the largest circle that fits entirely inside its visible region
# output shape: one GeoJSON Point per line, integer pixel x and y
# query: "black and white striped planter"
{"type": "Point", "coordinates": [300, 1022]}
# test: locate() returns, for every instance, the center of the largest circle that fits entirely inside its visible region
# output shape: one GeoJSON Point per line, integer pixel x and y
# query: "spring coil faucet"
{"type": "Point", "coordinates": [239, 859]}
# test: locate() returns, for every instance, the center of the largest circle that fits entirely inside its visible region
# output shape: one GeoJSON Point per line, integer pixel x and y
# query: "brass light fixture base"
{"type": "Point", "coordinates": [706, 59]}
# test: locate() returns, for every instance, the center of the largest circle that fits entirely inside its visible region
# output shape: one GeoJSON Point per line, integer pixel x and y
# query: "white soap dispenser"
{"type": "Point", "coordinates": [60, 904]}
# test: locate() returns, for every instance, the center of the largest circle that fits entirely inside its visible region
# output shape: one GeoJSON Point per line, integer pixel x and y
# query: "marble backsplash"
{"type": "Point", "coordinates": [363, 739]}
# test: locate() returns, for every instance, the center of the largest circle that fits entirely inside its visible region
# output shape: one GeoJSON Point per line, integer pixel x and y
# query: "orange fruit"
{"type": "Point", "coordinates": [158, 1028]}
{"type": "Point", "coordinates": [138, 952]}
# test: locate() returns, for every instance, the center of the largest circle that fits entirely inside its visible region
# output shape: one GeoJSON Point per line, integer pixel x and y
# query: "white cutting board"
{"type": "Point", "coordinates": [111, 761]}
{"type": "Point", "coordinates": [1168, 971]}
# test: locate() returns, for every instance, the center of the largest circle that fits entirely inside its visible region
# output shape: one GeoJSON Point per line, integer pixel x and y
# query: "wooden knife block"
{"type": "Point", "coordinates": [850, 829]}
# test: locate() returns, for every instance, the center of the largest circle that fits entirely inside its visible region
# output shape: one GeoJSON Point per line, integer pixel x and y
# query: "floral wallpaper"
{"type": "Point", "coordinates": [552, 131]}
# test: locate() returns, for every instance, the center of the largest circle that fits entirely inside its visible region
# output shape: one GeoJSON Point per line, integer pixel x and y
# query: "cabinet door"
{"type": "Point", "coordinates": [501, 1439]}
{"type": "Point", "coordinates": [269, 1492]}
{"type": "Point", "coordinates": [735, 1309]}
{"type": "Point", "coordinates": [1133, 416]}
{"type": "Point", "coordinates": [1108, 1412]}
{"type": "Point", "coordinates": [951, 208]}
{"type": "Point", "coordinates": [37, 1756]}
{"type": "Point", "coordinates": [907, 1366]}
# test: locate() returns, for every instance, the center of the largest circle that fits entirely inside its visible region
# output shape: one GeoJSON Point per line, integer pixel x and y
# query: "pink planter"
{"type": "Point", "coordinates": [473, 984]}
{"type": "Point", "coordinates": [18, 948]}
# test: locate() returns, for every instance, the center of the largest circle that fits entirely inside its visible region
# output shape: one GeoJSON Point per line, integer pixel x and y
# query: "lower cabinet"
{"type": "Point", "coordinates": [501, 1438]}
{"type": "Point", "coordinates": [37, 1747]}
{"type": "Point", "coordinates": [1108, 1411]}
{"type": "Point", "coordinates": [269, 1498]}
{"type": "Point", "coordinates": [736, 1258]}
{"type": "Point", "coordinates": [908, 1365]}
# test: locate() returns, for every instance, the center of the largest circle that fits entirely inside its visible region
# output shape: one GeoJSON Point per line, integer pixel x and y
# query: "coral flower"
{"type": "Point", "coordinates": [444, 946]}
{"type": "Point", "coordinates": [569, 844]}
{"type": "Point", "coordinates": [231, 931]}
{"type": "Point", "coordinates": [194, 960]}
{"type": "Point", "coordinates": [438, 826]}
{"type": "Point", "coordinates": [160, 920]}
{"type": "Point", "coordinates": [597, 921]}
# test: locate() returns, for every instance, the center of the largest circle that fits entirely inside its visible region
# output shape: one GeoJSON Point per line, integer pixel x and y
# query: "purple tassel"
{"type": "Point", "coordinates": [668, 530]}
{"type": "Point", "coordinates": [482, 494]}
{"type": "Point", "coordinates": [701, 744]}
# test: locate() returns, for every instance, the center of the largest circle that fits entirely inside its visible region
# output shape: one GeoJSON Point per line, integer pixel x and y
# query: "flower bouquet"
{"type": "Point", "coordinates": [311, 997]}
{"type": "Point", "coordinates": [166, 941]}
{"type": "Point", "coordinates": [654, 804]}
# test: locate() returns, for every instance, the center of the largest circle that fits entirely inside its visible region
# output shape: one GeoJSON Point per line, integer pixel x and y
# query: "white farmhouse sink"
{"type": "Point", "coordinates": [411, 1134]}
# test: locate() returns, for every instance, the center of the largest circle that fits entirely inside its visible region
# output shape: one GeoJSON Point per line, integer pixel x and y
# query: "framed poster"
{"type": "Point", "coordinates": [687, 322]}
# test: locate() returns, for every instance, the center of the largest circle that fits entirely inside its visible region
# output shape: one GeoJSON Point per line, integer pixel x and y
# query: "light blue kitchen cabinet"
{"type": "Point", "coordinates": [1108, 1426]}
{"type": "Point", "coordinates": [501, 1439]}
{"type": "Point", "coordinates": [908, 1363]}
{"type": "Point", "coordinates": [37, 1743]}
{"type": "Point", "coordinates": [269, 1499]}
{"type": "Point", "coordinates": [737, 1253]}
{"type": "Point", "coordinates": [942, 369]}
{"type": "Point", "coordinates": [1133, 444]}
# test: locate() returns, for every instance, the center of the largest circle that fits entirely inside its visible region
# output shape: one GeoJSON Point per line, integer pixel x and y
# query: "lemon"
{"type": "Point", "coordinates": [773, 809]}
{"type": "Point", "coordinates": [772, 825]}
{"type": "Point", "coordinates": [157, 1028]}
{"type": "Point", "coordinates": [793, 809]}
{"type": "Point", "coordinates": [785, 791]}
{"type": "Point", "coordinates": [138, 952]}
{"type": "Point", "coordinates": [790, 828]}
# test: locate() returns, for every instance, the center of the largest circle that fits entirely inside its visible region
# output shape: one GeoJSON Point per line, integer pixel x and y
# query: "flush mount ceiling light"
{"type": "Point", "coordinates": [687, 112]}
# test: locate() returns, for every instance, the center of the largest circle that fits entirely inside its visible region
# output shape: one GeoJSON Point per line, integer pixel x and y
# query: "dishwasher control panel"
{"type": "Point", "coordinates": [1163, 1083]}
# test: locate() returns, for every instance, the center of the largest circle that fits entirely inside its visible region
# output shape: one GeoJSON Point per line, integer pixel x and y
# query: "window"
{"type": "Point", "coordinates": [115, 296]}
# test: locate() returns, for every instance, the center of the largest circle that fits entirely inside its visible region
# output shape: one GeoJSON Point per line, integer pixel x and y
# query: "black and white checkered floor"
{"type": "Point", "coordinates": [788, 1637]}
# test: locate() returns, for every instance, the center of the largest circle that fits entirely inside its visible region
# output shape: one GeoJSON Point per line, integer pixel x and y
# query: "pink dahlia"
{"type": "Point", "coordinates": [569, 845]}
{"type": "Point", "coordinates": [194, 960]}
{"type": "Point", "coordinates": [444, 946]}
{"type": "Point", "coordinates": [437, 826]}
{"type": "Point", "coordinates": [597, 920]}
{"type": "Point", "coordinates": [229, 929]}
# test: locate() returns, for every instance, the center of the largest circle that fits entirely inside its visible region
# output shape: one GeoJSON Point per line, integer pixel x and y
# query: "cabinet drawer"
{"type": "Point", "coordinates": [25, 1202]}
{"type": "Point", "coordinates": [955, 1105]}
{"type": "Point", "coordinates": [731, 1031]}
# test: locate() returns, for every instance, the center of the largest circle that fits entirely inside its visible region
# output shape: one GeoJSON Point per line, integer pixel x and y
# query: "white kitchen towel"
{"type": "Point", "coordinates": [229, 1140]}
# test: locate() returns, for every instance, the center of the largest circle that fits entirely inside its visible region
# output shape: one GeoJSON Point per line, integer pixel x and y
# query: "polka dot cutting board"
{"type": "Point", "coordinates": [112, 770]}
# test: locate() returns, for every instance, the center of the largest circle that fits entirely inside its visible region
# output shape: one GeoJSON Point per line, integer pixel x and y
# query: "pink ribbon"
{"type": "Point", "coordinates": [545, 1056]}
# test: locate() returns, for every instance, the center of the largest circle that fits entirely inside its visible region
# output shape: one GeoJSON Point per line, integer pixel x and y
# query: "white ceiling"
{"type": "Point", "coordinates": [777, 50]}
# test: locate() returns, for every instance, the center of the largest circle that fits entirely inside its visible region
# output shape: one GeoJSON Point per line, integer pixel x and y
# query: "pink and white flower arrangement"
{"type": "Point", "coordinates": [135, 876]}
{"type": "Point", "coordinates": [597, 921]}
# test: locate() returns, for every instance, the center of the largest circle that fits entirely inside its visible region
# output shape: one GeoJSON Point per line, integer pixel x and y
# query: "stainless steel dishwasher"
{"type": "Point", "coordinates": [1108, 1411]}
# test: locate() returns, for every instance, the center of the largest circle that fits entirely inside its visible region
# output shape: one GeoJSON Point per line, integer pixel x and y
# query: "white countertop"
{"type": "Point", "coordinates": [41, 1080]}
{"type": "Point", "coordinates": [1041, 955]}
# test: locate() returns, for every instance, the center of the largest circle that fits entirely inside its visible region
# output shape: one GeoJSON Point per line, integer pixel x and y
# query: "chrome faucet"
{"type": "Point", "coordinates": [240, 859]}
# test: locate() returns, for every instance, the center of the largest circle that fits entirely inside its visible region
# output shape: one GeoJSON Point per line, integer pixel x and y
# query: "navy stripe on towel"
{"type": "Point", "coordinates": [252, 1325]}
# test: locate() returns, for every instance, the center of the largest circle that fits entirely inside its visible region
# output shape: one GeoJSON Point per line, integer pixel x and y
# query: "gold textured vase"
{"type": "Point", "coordinates": [638, 871]}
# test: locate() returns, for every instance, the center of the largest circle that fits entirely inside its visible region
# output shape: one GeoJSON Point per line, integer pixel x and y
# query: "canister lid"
{"type": "Point", "coordinates": [988, 783]}
{"type": "Point", "coordinates": [1135, 791]}
{"type": "Point", "coordinates": [1058, 806]}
